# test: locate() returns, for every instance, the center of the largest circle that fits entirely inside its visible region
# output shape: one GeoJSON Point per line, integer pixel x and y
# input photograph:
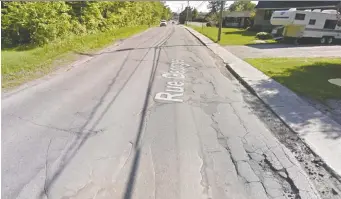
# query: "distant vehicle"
{"type": "Point", "coordinates": [324, 26]}
{"type": "Point", "coordinates": [163, 23]}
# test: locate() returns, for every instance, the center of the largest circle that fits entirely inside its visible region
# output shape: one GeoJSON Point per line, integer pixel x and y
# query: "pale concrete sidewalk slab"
{"type": "Point", "coordinates": [321, 133]}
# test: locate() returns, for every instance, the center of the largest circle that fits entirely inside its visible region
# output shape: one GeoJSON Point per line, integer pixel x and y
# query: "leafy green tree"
{"type": "Point", "coordinates": [167, 13]}
{"type": "Point", "coordinates": [242, 6]}
{"type": "Point", "coordinates": [195, 13]}
{"type": "Point", "coordinates": [213, 7]}
{"type": "Point", "coordinates": [42, 22]}
{"type": "Point", "coordinates": [31, 22]}
{"type": "Point", "coordinates": [183, 15]}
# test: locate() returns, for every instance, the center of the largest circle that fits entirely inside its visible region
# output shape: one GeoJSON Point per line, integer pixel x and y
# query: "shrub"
{"type": "Point", "coordinates": [203, 20]}
{"type": "Point", "coordinates": [263, 35]}
{"type": "Point", "coordinates": [42, 22]}
{"type": "Point", "coordinates": [210, 24]}
{"type": "Point", "coordinates": [34, 23]}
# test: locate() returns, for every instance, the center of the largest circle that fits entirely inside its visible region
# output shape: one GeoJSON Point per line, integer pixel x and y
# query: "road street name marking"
{"type": "Point", "coordinates": [175, 88]}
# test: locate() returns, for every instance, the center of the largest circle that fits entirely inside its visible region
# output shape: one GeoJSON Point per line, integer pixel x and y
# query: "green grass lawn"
{"type": "Point", "coordinates": [229, 36]}
{"type": "Point", "coordinates": [19, 66]}
{"type": "Point", "coordinates": [306, 76]}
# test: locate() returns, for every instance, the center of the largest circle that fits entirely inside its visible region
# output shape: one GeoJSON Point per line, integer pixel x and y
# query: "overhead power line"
{"type": "Point", "coordinates": [200, 5]}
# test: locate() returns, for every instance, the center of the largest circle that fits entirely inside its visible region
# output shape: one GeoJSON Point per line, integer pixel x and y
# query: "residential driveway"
{"type": "Point", "coordinates": [196, 23]}
{"type": "Point", "coordinates": [284, 50]}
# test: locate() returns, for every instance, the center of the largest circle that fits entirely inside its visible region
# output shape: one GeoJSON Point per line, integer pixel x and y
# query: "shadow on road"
{"type": "Point", "coordinates": [130, 49]}
{"type": "Point", "coordinates": [136, 160]}
{"type": "Point", "coordinates": [84, 134]}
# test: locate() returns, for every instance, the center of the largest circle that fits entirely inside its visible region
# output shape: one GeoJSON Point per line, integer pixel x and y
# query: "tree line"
{"type": "Point", "coordinates": [236, 6]}
{"type": "Point", "coordinates": [42, 22]}
{"type": "Point", "coordinates": [214, 6]}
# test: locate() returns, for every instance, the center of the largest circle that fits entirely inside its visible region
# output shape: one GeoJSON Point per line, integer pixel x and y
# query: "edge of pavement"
{"type": "Point", "coordinates": [317, 130]}
{"type": "Point", "coordinates": [68, 66]}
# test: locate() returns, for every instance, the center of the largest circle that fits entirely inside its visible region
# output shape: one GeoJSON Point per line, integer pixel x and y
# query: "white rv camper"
{"type": "Point", "coordinates": [314, 24]}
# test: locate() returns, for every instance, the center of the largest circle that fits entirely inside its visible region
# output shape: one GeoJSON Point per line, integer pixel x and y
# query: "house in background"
{"type": "Point", "coordinates": [175, 16]}
{"type": "Point", "coordinates": [264, 10]}
{"type": "Point", "coordinates": [237, 19]}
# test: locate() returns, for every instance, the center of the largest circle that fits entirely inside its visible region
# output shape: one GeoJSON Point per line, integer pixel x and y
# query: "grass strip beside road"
{"type": "Point", "coordinates": [306, 76]}
{"type": "Point", "coordinates": [229, 36]}
{"type": "Point", "coordinates": [20, 66]}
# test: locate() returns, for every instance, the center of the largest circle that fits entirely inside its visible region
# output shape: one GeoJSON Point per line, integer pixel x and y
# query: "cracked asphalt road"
{"type": "Point", "coordinates": [100, 131]}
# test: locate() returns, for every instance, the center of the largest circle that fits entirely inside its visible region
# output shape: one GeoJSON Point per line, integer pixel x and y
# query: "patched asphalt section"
{"type": "Point", "coordinates": [125, 144]}
{"type": "Point", "coordinates": [327, 184]}
{"type": "Point", "coordinates": [264, 166]}
{"type": "Point", "coordinates": [325, 181]}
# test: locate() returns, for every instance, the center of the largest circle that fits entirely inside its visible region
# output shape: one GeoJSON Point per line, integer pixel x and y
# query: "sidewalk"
{"type": "Point", "coordinates": [318, 131]}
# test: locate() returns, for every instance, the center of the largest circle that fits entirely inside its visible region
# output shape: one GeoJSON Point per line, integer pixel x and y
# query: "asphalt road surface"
{"type": "Point", "coordinates": [153, 117]}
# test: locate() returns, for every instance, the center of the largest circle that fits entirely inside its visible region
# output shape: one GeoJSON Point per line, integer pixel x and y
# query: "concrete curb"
{"type": "Point", "coordinates": [318, 131]}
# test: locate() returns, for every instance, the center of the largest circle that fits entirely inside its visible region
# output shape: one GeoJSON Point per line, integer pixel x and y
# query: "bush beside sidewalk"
{"type": "Point", "coordinates": [317, 130]}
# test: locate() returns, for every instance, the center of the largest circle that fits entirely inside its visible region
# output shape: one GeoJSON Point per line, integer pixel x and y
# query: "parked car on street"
{"type": "Point", "coordinates": [163, 23]}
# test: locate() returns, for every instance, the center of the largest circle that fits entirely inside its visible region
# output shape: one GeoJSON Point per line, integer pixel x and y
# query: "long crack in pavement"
{"type": "Point", "coordinates": [263, 167]}
{"type": "Point", "coordinates": [219, 142]}
{"type": "Point", "coordinates": [262, 163]}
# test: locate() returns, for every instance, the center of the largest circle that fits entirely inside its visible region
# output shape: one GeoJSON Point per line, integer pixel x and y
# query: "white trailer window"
{"type": "Point", "coordinates": [312, 21]}
{"type": "Point", "coordinates": [330, 24]}
{"type": "Point", "coordinates": [299, 16]}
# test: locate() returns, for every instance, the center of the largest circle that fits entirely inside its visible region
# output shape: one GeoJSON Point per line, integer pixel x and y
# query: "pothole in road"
{"type": "Point", "coordinates": [326, 183]}
{"type": "Point", "coordinates": [290, 190]}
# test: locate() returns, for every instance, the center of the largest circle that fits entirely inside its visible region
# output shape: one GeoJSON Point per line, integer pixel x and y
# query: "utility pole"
{"type": "Point", "coordinates": [338, 16]}
{"type": "Point", "coordinates": [179, 11]}
{"type": "Point", "coordinates": [182, 8]}
{"type": "Point", "coordinates": [220, 18]}
{"type": "Point", "coordinates": [187, 12]}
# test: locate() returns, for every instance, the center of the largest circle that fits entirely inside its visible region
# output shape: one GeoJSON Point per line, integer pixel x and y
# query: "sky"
{"type": "Point", "coordinates": [200, 5]}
